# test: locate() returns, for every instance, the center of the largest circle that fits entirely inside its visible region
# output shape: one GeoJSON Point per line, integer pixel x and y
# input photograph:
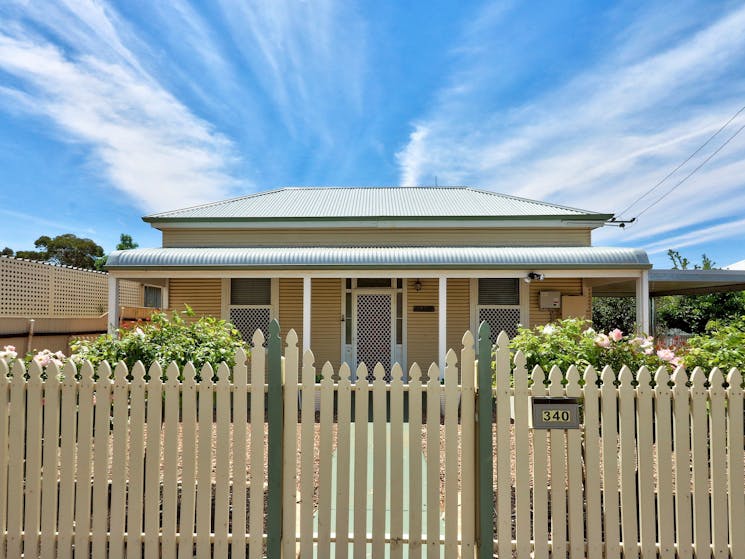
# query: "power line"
{"type": "Point", "coordinates": [689, 175]}
{"type": "Point", "coordinates": [671, 173]}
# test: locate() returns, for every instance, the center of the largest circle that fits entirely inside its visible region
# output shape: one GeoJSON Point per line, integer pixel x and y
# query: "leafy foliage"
{"type": "Point", "coordinates": [723, 346]}
{"type": "Point", "coordinates": [609, 313]}
{"type": "Point", "coordinates": [572, 342]}
{"type": "Point", "coordinates": [166, 339]}
{"type": "Point", "coordinates": [67, 250]}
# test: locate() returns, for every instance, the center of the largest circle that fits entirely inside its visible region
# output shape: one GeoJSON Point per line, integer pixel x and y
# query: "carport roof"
{"type": "Point", "coordinates": [678, 282]}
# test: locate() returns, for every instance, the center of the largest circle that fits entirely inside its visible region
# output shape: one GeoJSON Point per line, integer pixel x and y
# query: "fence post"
{"type": "Point", "coordinates": [484, 456]}
{"type": "Point", "coordinates": [274, 452]}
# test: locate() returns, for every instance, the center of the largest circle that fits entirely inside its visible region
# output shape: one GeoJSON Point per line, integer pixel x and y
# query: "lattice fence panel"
{"type": "Point", "coordinates": [248, 320]}
{"type": "Point", "coordinates": [130, 293]}
{"type": "Point", "coordinates": [500, 319]}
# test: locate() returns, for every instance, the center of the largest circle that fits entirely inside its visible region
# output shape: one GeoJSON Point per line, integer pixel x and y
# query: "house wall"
{"type": "Point", "coordinates": [291, 308]}
{"type": "Point", "coordinates": [326, 324]}
{"type": "Point", "coordinates": [567, 286]}
{"type": "Point", "coordinates": [202, 295]}
{"type": "Point", "coordinates": [458, 312]}
{"type": "Point", "coordinates": [422, 326]}
{"type": "Point", "coordinates": [368, 237]}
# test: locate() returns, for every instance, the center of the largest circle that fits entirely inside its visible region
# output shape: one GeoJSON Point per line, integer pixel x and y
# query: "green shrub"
{"type": "Point", "coordinates": [573, 342]}
{"type": "Point", "coordinates": [722, 345]}
{"type": "Point", "coordinates": [166, 339]}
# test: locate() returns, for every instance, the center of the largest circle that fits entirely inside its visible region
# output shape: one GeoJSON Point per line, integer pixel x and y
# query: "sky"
{"type": "Point", "coordinates": [113, 110]}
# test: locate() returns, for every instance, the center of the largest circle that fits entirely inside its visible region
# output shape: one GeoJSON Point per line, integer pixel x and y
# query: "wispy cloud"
{"type": "Point", "coordinates": [93, 88]}
{"type": "Point", "coordinates": [605, 135]}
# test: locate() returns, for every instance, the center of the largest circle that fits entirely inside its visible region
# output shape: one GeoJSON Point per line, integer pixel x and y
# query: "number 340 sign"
{"type": "Point", "coordinates": [555, 413]}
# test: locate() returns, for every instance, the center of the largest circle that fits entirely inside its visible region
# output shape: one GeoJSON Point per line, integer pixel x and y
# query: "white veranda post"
{"type": "Point", "coordinates": [642, 302]}
{"type": "Point", "coordinates": [306, 313]}
{"type": "Point", "coordinates": [442, 322]}
{"type": "Point", "coordinates": [113, 305]}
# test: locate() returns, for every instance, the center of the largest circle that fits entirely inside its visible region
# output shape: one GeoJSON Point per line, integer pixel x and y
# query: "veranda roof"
{"type": "Point", "coordinates": [379, 257]}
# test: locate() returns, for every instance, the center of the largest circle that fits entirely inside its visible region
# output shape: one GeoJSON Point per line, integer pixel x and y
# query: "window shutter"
{"type": "Point", "coordinates": [250, 291]}
{"type": "Point", "coordinates": [499, 291]}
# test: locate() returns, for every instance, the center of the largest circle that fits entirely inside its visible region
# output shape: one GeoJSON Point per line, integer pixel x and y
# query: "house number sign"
{"type": "Point", "coordinates": [555, 413]}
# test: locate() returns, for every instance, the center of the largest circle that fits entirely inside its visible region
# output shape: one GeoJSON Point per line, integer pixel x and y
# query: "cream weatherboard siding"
{"type": "Point", "coordinates": [291, 307]}
{"type": "Point", "coordinates": [326, 321]}
{"type": "Point", "coordinates": [422, 326]}
{"type": "Point", "coordinates": [515, 237]}
{"type": "Point", "coordinates": [204, 296]}
{"type": "Point", "coordinates": [458, 311]}
{"type": "Point", "coordinates": [567, 286]}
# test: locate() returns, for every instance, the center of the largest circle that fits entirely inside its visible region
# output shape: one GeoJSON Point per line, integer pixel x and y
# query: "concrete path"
{"type": "Point", "coordinates": [388, 489]}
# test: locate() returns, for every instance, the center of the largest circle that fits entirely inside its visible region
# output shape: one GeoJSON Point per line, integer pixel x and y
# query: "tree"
{"type": "Point", "coordinates": [691, 313]}
{"type": "Point", "coordinates": [609, 313]}
{"type": "Point", "coordinates": [66, 250]}
{"type": "Point", "coordinates": [7, 251]}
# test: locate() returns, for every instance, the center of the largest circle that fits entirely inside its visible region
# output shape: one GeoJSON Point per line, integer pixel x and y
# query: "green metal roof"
{"type": "Point", "coordinates": [361, 203]}
{"type": "Point", "coordinates": [378, 258]}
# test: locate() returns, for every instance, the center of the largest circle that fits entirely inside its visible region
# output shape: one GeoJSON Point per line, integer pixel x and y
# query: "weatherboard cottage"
{"type": "Point", "coordinates": [380, 274]}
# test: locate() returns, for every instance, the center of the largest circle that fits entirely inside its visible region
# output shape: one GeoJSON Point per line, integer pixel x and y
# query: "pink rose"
{"type": "Point", "coordinates": [615, 335]}
{"type": "Point", "coordinates": [666, 354]}
{"type": "Point", "coordinates": [602, 340]}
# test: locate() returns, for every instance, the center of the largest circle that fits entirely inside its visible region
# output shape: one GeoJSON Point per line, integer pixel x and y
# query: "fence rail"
{"type": "Point", "coordinates": [238, 462]}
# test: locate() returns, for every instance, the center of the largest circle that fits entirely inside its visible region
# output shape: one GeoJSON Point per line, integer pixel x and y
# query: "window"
{"type": "Point", "coordinates": [153, 297]}
{"type": "Point", "coordinates": [251, 305]}
{"type": "Point", "coordinates": [499, 305]}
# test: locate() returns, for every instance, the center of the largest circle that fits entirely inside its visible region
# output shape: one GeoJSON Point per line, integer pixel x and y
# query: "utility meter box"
{"type": "Point", "coordinates": [550, 299]}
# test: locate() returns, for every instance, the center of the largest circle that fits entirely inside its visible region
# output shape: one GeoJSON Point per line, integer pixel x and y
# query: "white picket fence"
{"type": "Point", "coordinates": [112, 465]}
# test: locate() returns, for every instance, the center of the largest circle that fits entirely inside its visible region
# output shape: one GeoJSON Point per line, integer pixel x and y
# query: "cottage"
{"type": "Point", "coordinates": [380, 274]}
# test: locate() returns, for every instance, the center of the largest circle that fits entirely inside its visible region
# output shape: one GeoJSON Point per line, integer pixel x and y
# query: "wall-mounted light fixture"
{"type": "Point", "coordinates": [534, 276]}
{"type": "Point", "coordinates": [417, 286]}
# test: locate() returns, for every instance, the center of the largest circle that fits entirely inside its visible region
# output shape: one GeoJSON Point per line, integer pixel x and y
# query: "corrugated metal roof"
{"type": "Point", "coordinates": [373, 202]}
{"type": "Point", "coordinates": [379, 257]}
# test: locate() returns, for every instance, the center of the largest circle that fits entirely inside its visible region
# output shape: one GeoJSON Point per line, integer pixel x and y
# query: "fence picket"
{"type": "Point", "coordinates": [101, 438]}
{"type": "Point", "coordinates": [380, 457]}
{"type": "Point", "coordinates": [205, 392]}
{"type": "Point", "coordinates": [433, 462]}
{"type": "Point", "coordinates": [32, 495]}
{"type": "Point", "coordinates": [700, 459]}
{"type": "Point", "coordinates": [735, 463]}
{"type": "Point", "coordinates": [451, 454]}
{"type": "Point", "coordinates": [504, 477]}
{"type": "Point", "coordinates": [290, 455]}
{"type": "Point", "coordinates": [240, 469]}
{"type": "Point", "coordinates": [682, 441]}
{"type": "Point", "coordinates": [189, 459]}
{"type": "Point", "coordinates": [575, 503]}
{"type": "Point", "coordinates": [50, 459]}
{"type": "Point", "coordinates": [415, 462]}
{"type": "Point", "coordinates": [645, 461]}
{"type": "Point", "coordinates": [590, 392]}
{"type": "Point", "coordinates": [718, 442]}
{"type": "Point", "coordinates": [16, 459]}
{"type": "Point", "coordinates": [468, 448]}
{"type": "Point", "coordinates": [84, 463]}
{"type": "Point", "coordinates": [361, 392]}
{"type": "Point", "coordinates": [558, 475]}
{"type": "Point", "coordinates": [627, 434]}
{"type": "Point", "coordinates": [256, 512]}
{"type": "Point", "coordinates": [119, 461]}
{"type": "Point", "coordinates": [222, 462]}
{"type": "Point", "coordinates": [307, 418]}
{"type": "Point", "coordinates": [4, 416]}
{"type": "Point", "coordinates": [153, 459]}
{"type": "Point", "coordinates": [325, 428]}
{"type": "Point", "coordinates": [664, 456]}
{"type": "Point", "coordinates": [609, 410]}
{"type": "Point", "coordinates": [540, 475]}
{"type": "Point", "coordinates": [522, 457]}
{"type": "Point", "coordinates": [397, 462]}
{"type": "Point", "coordinates": [343, 422]}
{"type": "Point", "coordinates": [67, 464]}
{"type": "Point", "coordinates": [135, 497]}
{"type": "Point", "coordinates": [171, 387]}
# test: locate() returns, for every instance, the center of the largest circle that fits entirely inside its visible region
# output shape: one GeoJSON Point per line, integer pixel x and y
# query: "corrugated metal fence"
{"type": "Point", "coordinates": [183, 463]}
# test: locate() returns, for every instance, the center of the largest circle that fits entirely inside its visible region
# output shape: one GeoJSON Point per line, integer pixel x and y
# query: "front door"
{"type": "Point", "coordinates": [373, 332]}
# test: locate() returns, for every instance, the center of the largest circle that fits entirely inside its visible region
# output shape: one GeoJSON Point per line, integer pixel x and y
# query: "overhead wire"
{"type": "Point", "coordinates": [671, 173]}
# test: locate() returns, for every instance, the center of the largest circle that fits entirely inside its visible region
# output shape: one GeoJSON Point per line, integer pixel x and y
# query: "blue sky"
{"type": "Point", "coordinates": [109, 111]}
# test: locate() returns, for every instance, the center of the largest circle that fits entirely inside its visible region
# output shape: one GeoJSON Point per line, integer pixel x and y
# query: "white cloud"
{"type": "Point", "coordinates": [148, 144]}
{"type": "Point", "coordinates": [606, 135]}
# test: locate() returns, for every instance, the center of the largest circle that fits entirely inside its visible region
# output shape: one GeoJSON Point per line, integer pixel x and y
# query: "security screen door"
{"type": "Point", "coordinates": [374, 331]}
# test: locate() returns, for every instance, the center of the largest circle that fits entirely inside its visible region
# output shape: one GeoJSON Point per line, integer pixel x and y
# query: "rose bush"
{"type": "Point", "coordinates": [573, 342]}
{"type": "Point", "coordinates": [722, 345]}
